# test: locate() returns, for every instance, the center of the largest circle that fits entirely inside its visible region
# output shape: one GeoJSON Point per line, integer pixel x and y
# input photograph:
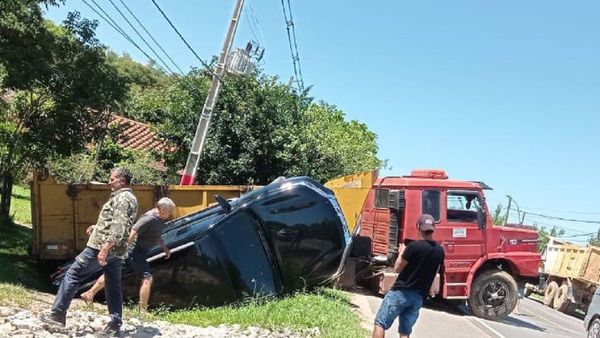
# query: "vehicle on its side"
{"type": "Point", "coordinates": [485, 263]}
{"type": "Point", "coordinates": [283, 237]}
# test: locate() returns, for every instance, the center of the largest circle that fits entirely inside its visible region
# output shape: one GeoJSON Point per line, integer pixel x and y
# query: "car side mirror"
{"type": "Point", "coordinates": [481, 218]}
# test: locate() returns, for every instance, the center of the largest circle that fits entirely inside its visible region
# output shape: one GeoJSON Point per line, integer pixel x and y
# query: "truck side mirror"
{"type": "Point", "coordinates": [396, 199]}
{"type": "Point", "coordinates": [481, 218]}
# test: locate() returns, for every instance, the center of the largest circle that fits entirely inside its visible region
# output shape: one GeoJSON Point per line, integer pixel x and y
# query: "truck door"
{"type": "Point", "coordinates": [462, 238]}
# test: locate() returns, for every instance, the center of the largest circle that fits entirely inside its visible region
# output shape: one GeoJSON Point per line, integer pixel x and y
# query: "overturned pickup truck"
{"type": "Point", "coordinates": [286, 236]}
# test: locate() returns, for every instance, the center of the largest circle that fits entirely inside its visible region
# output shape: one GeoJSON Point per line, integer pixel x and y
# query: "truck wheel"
{"type": "Point", "coordinates": [594, 329]}
{"type": "Point", "coordinates": [561, 301]}
{"type": "Point", "coordinates": [549, 293]}
{"type": "Point", "coordinates": [493, 295]}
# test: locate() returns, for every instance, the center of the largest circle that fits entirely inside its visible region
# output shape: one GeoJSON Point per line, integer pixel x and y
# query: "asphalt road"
{"type": "Point", "coordinates": [533, 320]}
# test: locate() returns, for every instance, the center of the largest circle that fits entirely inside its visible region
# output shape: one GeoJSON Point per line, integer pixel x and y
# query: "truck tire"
{"type": "Point", "coordinates": [561, 301]}
{"type": "Point", "coordinates": [549, 293]}
{"type": "Point", "coordinates": [493, 295]}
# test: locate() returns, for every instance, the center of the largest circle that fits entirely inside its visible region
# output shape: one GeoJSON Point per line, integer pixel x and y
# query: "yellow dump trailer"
{"type": "Point", "coordinates": [351, 192]}
{"type": "Point", "coordinates": [570, 276]}
{"type": "Point", "coordinates": [62, 212]}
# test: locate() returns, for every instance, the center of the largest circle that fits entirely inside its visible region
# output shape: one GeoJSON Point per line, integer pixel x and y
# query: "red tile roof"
{"type": "Point", "coordinates": [137, 135]}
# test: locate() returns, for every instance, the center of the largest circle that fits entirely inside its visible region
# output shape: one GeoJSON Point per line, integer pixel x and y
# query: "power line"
{"type": "Point", "coordinates": [118, 28]}
{"type": "Point", "coordinates": [152, 37]}
{"type": "Point", "coordinates": [141, 37]}
{"type": "Point", "coordinates": [578, 235]}
{"type": "Point", "coordinates": [181, 37]}
{"type": "Point", "coordinates": [291, 34]}
{"type": "Point", "coordinates": [256, 23]}
{"type": "Point", "coordinates": [558, 218]}
{"type": "Point", "coordinates": [251, 25]}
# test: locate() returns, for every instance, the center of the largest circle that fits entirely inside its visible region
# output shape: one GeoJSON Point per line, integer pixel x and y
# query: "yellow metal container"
{"type": "Point", "coordinates": [351, 192]}
{"type": "Point", "coordinates": [61, 212]}
{"type": "Point", "coordinates": [573, 261]}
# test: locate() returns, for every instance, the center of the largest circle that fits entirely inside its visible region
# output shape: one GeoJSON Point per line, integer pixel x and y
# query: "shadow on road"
{"type": "Point", "coordinates": [521, 323]}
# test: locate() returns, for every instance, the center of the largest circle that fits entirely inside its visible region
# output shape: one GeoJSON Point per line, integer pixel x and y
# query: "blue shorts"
{"type": "Point", "coordinates": [405, 305]}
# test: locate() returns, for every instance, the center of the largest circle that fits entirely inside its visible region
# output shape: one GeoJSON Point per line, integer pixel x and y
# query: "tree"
{"type": "Point", "coordinates": [334, 146]}
{"type": "Point", "coordinates": [544, 235]}
{"type": "Point", "coordinates": [595, 240]}
{"type": "Point", "coordinates": [58, 80]}
{"type": "Point", "coordinates": [497, 217]}
{"type": "Point", "coordinates": [261, 129]}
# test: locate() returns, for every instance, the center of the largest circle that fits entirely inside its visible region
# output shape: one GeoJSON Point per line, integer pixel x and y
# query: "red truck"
{"type": "Point", "coordinates": [485, 263]}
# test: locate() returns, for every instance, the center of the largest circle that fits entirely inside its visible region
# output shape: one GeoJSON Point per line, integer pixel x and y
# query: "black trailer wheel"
{"type": "Point", "coordinates": [594, 329]}
{"type": "Point", "coordinates": [493, 295]}
{"type": "Point", "coordinates": [549, 293]}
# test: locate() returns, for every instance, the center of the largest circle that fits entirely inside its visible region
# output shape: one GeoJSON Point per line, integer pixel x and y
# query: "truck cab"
{"type": "Point", "coordinates": [485, 264]}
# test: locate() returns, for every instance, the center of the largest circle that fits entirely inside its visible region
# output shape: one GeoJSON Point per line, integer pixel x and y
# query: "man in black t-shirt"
{"type": "Point", "coordinates": [146, 233]}
{"type": "Point", "coordinates": [416, 268]}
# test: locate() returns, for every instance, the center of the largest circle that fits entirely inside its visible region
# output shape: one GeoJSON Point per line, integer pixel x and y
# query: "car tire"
{"type": "Point", "coordinates": [549, 293]}
{"type": "Point", "coordinates": [494, 295]}
{"type": "Point", "coordinates": [594, 329]}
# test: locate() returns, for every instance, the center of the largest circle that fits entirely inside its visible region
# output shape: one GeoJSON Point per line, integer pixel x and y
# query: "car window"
{"type": "Point", "coordinates": [430, 203]}
{"type": "Point", "coordinates": [462, 206]}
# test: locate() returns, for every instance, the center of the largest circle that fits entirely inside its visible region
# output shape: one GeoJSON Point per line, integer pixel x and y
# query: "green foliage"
{"type": "Point", "coordinates": [260, 130]}
{"type": "Point", "coordinates": [545, 233]}
{"type": "Point", "coordinates": [135, 73]}
{"type": "Point", "coordinates": [57, 76]}
{"type": "Point", "coordinates": [81, 168]}
{"type": "Point", "coordinates": [595, 240]}
{"type": "Point", "coordinates": [497, 217]}
{"type": "Point", "coordinates": [336, 147]}
{"type": "Point", "coordinates": [327, 309]}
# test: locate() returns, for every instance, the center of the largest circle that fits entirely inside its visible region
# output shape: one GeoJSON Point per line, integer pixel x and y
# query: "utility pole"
{"type": "Point", "coordinates": [189, 174]}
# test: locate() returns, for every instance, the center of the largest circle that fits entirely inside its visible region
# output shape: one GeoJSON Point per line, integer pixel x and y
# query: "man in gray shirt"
{"type": "Point", "coordinates": [147, 230]}
{"type": "Point", "coordinates": [106, 248]}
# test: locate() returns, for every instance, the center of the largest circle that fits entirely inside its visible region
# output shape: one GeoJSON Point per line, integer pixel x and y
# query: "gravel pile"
{"type": "Point", "coordinates": [20, 323]}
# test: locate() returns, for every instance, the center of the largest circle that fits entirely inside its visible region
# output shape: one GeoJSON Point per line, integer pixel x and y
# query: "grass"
{"type": "Point", "coordinates": [13, 294]}
{"type": "Point", "coordinates": [20, 205]}
{"type": "Point", "coordinates": [327, 309]}
{"type": "Point", "coordinates": [17, 267]}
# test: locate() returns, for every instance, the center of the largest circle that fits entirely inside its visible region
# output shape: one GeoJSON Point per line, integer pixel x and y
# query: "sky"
{"type": "Point", "coordinates": [505, 92]}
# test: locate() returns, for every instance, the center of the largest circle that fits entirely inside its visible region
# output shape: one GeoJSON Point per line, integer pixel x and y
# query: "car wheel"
{"type": "Point", "coordinates": [493, 295]}
{"type": "Point", "coordinates": [594, 329]}
{"type": "Point", "coordinates": [549, 293]}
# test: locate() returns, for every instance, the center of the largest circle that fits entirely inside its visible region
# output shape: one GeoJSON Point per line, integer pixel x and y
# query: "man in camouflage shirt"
{"type": "Point", "coordinates": [106, 248]}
